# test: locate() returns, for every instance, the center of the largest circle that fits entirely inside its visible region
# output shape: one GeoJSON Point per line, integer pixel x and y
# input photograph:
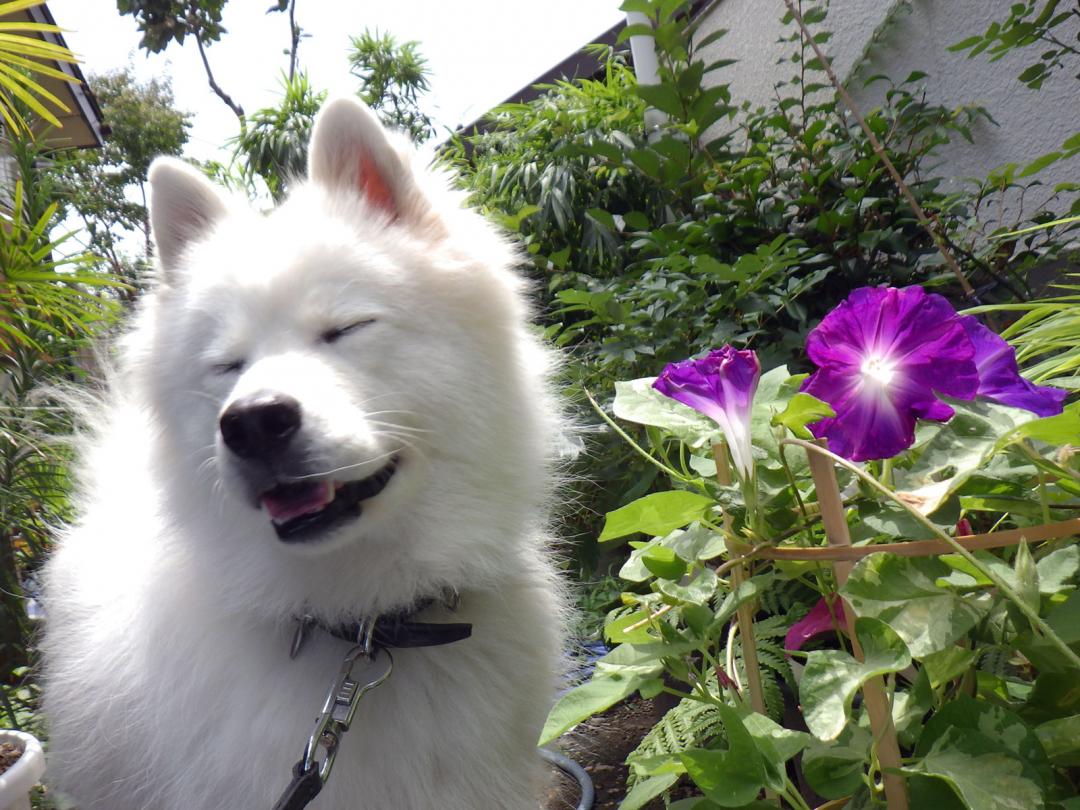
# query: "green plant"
{"type": "Point", "coordinates": [22, 55]}
{"type": "Point", "coordinates": [1033, 22]}
{"type": "Point", "coordinates": [729, 225]}
{"type": "Point", "coordinates": [162, 22]}
{"type": "Point", "coordinates": [274, 145]}
{"type": "Point", "coordinates": [52, 304]}
{"type": "Point", "coordinates": [528, 169]}
{"type": "Point", "coordinates": [974, 648]}
{"type": "Point", "coordinates": [393, 77]}
{"type": "Point", "coordinates": [1047, 334]}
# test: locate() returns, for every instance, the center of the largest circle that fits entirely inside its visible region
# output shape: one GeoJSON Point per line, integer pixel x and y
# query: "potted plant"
{"type": "Point", "coordinates": [22, 762]}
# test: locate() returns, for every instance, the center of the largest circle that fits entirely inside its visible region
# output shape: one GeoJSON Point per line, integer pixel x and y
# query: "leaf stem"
{"type": "Point", "coordinates": [793, 797]}
{"type": "Point", "coordinates": [626, 437]}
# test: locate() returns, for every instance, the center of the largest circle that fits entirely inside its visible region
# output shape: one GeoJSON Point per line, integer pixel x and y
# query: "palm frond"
{"type": "Point", "coordinates": [22, 54]}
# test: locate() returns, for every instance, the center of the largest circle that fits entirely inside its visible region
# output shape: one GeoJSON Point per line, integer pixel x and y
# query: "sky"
{"type": "Point", "coordinates": [479, 51]}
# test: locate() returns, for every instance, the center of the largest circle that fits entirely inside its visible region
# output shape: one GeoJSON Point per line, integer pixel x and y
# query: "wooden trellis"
{"type": "Point", "coordinates": [842, 555]}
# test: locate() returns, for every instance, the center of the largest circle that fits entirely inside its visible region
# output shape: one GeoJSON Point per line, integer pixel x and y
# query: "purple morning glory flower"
{"type": "Point", "coordinates": [720, 385]}
{"type": "Point", "coordinates": [822, 618]}
{"type": "Point", "coordinates": [883, 356]}
{"type": "Point", "coordinates": [999, 376]}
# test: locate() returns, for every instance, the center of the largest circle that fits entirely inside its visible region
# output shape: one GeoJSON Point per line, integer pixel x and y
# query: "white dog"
{"type": "Point", "coordinates": [334, 411]}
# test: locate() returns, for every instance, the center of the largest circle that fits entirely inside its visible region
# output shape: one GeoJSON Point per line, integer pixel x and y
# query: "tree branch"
{"type": "Point", "coordinates": [232, 105]}
{"type": "Point", "coordinates": [930, 227]}
{"type": "Point", "coordinates": [294, 32]}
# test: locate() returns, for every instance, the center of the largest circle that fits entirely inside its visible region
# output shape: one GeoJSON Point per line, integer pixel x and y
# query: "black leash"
{"type": "Point", "coordinates": [371, 640]}
{"type": "Point", "coordinates": [302, 790]}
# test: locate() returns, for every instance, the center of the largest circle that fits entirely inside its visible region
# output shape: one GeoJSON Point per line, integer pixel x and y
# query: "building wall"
{"type": "Point", "coordinates": [8, 172]}
{"type": "Point", "coordinates": [1030, 123]}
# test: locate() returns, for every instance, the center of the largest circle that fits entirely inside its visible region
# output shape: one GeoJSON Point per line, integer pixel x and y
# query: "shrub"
{"type": "Point", "coordinates": [739, 226]}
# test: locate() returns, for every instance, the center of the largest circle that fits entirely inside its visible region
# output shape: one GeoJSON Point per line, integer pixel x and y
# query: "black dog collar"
{"type": "Point", "coordinates": [391, 630]}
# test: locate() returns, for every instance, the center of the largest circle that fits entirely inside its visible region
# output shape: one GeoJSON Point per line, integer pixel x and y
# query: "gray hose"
{"type": "Point", "coordinates": [571, 768]}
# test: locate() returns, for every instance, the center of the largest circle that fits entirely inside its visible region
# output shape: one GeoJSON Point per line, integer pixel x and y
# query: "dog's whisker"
{"type": "Point", "coordinates": [346, 467]}
{"type": "Point", "coordinates": [205, 395]}
{"type": "Point", "coordinates": [383, 395]}
{"type": "Point", "coordinates": [404, 442]}
{"type": "Point", "coordinates": [206, 450]}
{"type": "Point", "coordinates": [394, 426]}
{"type": "Point", "coordinates": [391, 410]}
{"type": "Point", "coordinates": [407, 439]}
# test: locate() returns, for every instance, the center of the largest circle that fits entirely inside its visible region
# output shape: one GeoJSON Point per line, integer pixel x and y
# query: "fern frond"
{"type": "Point", "coordinates": [688, 724]}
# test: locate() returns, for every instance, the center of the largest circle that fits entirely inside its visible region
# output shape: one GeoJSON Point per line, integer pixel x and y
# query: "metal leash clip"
{"type": "Point", "coordinates": [343, 699]}
{"type": "Point", "coordinates": [339, 709]}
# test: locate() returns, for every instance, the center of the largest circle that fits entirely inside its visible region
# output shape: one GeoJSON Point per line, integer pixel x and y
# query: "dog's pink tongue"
{"type": "Point", "coordinates": [286, 503]}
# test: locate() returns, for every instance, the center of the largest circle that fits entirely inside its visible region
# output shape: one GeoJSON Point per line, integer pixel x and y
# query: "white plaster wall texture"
{"type": "Point", "coordinates": [8, 173]}
{"type": "Point", "coordinates": [1030, 123]}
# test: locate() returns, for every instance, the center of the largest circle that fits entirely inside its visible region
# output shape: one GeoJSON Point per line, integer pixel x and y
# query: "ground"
{"type": "Point", "coordinates": [600, 745]}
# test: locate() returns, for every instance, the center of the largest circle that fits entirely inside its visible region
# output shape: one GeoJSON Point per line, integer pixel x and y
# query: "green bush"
{"type": "Point", "coordinates": [731, 225]}
{"type": "Point", "coordinates": [53, 302]}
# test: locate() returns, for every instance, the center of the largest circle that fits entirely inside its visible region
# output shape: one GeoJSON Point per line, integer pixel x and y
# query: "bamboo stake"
{"type": "Point", "coordinates": [874, 695]}
{"type": "Point", "coordinates": [745, 613]}
{"type": "Point", "coordinates": [919, 548]}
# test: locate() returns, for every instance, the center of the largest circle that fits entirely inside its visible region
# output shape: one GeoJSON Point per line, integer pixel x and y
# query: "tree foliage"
{"type": "Point", "coordinates": [527, 168]}
{"type": "Point", "coordinates": [1033, 22]}
{"type": "Point", "coordinates": [164, 21]}
{"type": "Point", "coordinates": [393, 78]}
{"type": "Point", "coordinates": [274, 145]}
{"type": "Point", "coordinates": [106, 187]}
{"type": "Point", "coordinates": [1050, 25]}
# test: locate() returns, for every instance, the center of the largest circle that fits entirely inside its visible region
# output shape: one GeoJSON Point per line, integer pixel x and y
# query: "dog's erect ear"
{"type": "Point", "coordinates": [350, 150]}
{"type": "Point", "coordinates": [184, 206]}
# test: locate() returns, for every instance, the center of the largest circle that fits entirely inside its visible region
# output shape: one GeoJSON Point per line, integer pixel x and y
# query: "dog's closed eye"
{"type": "Point", "coordinates": [230, 367]}
{"type": "Point", "coordinates": [336, 333]}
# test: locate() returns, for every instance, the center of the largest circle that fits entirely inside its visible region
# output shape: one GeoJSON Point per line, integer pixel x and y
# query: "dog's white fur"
{"type": "Point", "coordinates": [171, 602]}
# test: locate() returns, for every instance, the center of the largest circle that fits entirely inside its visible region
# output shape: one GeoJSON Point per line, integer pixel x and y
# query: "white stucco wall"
{"type": "Point", "coordinates": [8, 172]}
{"type": "Point", "coordinates": [1030, 123]}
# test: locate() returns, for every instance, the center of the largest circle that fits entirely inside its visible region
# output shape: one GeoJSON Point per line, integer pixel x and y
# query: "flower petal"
{"type": "Point", "coordinates": [915, 330]}
{"type": "Point", "coordinates": [821, 619]}
{"type": "Point", "coordinates": [999, 376]}
{"type": "Point", "coordinates": [720, 385]}
{"type": "Point", "coordinates": [883, 355]}
{"type": "Point", "coordinates": [865, 426]}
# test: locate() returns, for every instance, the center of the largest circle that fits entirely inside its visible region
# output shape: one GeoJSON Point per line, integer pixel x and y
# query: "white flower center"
{"type": "Point", "coordinates": [879, 369]}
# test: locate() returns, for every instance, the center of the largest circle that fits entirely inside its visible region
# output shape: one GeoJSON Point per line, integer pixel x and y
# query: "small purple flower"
{"type": "Point", "coordinates": [999, 376]}
{"type": "Point", "coordinates": [883, 356]}
{"type": "Point", "coordinates": [720, 385]}
{"type": "Point", "coordinates": [822, 618]}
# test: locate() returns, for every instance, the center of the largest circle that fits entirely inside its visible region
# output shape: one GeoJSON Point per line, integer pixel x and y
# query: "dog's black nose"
{"type": "Point", "coordinates": [260, 425]}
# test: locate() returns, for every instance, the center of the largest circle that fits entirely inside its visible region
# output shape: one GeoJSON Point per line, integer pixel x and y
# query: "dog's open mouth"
{"type": "Point", "coordinates": [301, 510]}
